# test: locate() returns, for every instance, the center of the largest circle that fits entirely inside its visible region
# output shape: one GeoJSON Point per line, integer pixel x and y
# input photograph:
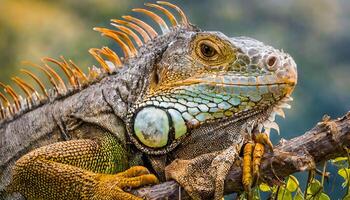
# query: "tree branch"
{"type": "Point", "coordinates": [323, 142]}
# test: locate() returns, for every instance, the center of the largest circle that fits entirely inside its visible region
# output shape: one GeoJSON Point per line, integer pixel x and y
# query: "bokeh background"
{"type": "Point", "coordinates": [315, 32]}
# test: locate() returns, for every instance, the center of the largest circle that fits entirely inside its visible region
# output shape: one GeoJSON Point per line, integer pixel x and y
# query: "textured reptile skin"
{"type": "Point", "coordinates": [183, 105]}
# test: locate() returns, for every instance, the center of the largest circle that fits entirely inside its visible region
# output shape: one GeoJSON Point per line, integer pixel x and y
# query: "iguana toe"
{"type": "Point", "coordinates": [261, 140]}
{"type": "Point", "coordinates": [247, 166]}
{"type": "Point", "coordinates": [252, 155]}
{"type": "Point", "coordinates": [134, 171]}
{"type": "Point", "coordinates": [112, 186]}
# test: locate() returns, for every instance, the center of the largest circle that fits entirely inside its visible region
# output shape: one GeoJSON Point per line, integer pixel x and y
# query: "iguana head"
{"type": "Point", "coordinates": [207, 77]}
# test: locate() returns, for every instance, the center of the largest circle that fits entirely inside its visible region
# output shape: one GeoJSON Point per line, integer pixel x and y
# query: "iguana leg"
{"type": "Point", "coordinates": [203, 176]}
{"type": "Point", "coordinates": [78, 169]}
{"type": "Point", "coordinates": [252, 154]}
{"type": "Point", "coordinates": [220, 167]}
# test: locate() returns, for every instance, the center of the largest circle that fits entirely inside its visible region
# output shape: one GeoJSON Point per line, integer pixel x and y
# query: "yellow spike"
{"type": "Point", "coordinates": [2, 113]}
{"type": "Point", "coordinates": [109, 33]}
{"type": "Point", "coordinates": [142, 24]}
{"type": "Point", "coordinates": [37, 80]}
{"type": "Point", "coordinates": [4, 99]}
{"type": "Point", "coordinates": [155, 17]}
{"type": "Point", "coordinates": [14, 96]}
{"type": "Point", "coordinates": [25, 90]}
{"type": "Point", "coordinates": [50, 77]}
{"type": "Point", "coordinates": [96, 54]}
{"type": "Point", "coordinates": [12, 93]}
{"type": "Point", "coordinates": [63, 67]}
{"type": "Point", "coordinates": [7, 105]}
{"type": "Point", "coordinates": [126, 38]}
{"type": "Point", "coordinates": [62, 84]}
{"type": "Point", "coordinates": [137, 28]}
{"type": "Point", "coordinates": [129, 32]}
{"type": "Point", "coordinates": [73, 79]}
{"type": "Point", "coordinates": [124, 47]}
{"type": "Point", "coordinates": [171, 17]}
{"type": "Point", "coordinates": [79, 71]}
{"type": "Point", "coordinates": [29, 87]}
{"type": "Point", "coordinates": [112, 56]}
{"type": "Point", "coordinates": [181, 13]}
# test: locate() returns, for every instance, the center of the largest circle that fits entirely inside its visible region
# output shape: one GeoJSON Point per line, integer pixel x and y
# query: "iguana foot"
{"type": "Point", "coordinates": [111, 186]}
{"type": "Point", "coordinates": [252, 154]}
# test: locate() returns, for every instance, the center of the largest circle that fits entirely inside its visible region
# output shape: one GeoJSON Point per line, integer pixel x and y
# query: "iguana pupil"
{"type": "Point", "coordinates": [207, 51]}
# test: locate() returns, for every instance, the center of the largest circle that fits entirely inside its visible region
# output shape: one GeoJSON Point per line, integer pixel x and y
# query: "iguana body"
{"type": "Point", "coordinates": [186, 95]}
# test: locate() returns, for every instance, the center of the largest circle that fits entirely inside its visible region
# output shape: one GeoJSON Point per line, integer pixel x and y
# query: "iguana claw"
{"type": "Point", "coordinates": [252, 155]}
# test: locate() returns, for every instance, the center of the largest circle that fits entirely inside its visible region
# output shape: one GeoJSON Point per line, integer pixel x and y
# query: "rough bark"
{"type": "Point", "coordinates": [327, 140]}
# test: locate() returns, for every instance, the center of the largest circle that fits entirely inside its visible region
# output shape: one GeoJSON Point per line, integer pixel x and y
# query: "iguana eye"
{"type": "Point", "coordinates": [207, 50]}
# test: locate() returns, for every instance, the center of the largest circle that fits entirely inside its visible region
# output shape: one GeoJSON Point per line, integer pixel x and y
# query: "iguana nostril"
{"type": "Point", "coordinates": [272, 62]}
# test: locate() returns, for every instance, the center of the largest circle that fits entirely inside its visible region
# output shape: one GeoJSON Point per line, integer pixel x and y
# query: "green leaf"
{"type": "Point", "coordinates": [344, 172]}
{"type": "Point", "coordinates": [274, 189]}
{"type": "Point", "coordinates": [323, 196]}
{"type": "Point", "coordinates": [339, 159]}
{"type": "Point", "coordinates": [284, 194]}
{"type": "Point", "coordinates": [347, 197]}
{"type": "Point", "coordinates": [299, 195]}
{"type": "Point", "coordinates": [314, 187]}
{"type": "Point", "coordinates": [292, 183]}
{"type": "Point", "coordinates": [264, 187]}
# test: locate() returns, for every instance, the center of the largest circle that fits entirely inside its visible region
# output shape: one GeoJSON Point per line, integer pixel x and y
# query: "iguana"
{"type": "Point", "coordinates": [183, 105]}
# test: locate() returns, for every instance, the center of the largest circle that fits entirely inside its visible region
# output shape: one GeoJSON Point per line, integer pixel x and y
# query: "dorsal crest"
{"type": "Point", "coordinates": [130, 33]}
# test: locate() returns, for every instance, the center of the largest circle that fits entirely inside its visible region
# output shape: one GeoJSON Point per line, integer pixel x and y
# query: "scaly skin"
{"type": "Point", "coordinates": [82, 165]}
{"type": "Point", "coordinates": [183, 106]}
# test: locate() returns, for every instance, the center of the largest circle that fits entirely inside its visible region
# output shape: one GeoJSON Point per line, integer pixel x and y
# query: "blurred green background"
{"type": "Point", "coordinates": [315, 32]}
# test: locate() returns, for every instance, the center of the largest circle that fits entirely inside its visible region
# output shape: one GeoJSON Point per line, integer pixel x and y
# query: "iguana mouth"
{"type": "Point", "coordinates": [262, 124]}
{"type": "Point", "coordinates": [266, 124]}
{"type": "Point", "coordinates": [219, 82]}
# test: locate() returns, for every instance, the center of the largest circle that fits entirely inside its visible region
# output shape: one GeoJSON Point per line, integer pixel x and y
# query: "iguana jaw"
{"type": "Point", "coordinates": [190, 115]}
